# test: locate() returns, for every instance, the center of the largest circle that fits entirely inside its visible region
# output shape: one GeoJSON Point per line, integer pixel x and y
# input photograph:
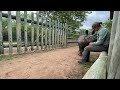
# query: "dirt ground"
{"type": "Point", "coordinates": [55, 64]}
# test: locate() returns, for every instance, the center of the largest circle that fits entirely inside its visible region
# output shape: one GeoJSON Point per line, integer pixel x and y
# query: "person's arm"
{"type": "Point", "coordinates": [102, 35]}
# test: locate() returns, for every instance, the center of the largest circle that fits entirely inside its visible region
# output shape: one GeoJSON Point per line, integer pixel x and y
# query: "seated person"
{"type": "Point", "coordinates": [102, 43]}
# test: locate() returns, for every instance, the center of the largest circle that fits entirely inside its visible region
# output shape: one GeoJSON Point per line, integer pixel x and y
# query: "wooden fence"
{"type": "Point", "coordinates": [73, 41]}
{"type": "Point", "coordinates": [50, 34]}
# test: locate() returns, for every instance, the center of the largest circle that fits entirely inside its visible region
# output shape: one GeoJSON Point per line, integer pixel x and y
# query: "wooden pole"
{"type": "Point", "coordinates": [112, 37]}
{"type": "Point", "coordinates": [66, 31]}
{"type": "Point", "coordinates": [42, 32]}
{"type": "Point", "coordinates": [49, 33]}
{"type": "Point", "coordinates": [25, 29]}
{"type": "Point", "coordinates": [10, 33]}
{"type": "Point", "coordinates": [46, 35]}
{"type": "Point", "coordinates": [98, 69]}
{"type": "Point", "coordinates": [32, 31]}
{"type": "Point", "coordinates": [37, 32]}
{"type": "Point", "coordinates": [53, 34]}
{"type": "Point", "coordinates": [62, 34]}
{"type": "Point", "coordinates": [1, 36]}
{"type": "Point", "coordinates": [58, 32]}
{"type": "Point", "coordinates": [111, 14]}
{"type": "Point", "coordinates": [18, 28]}
{"type": "Point", "coordinates": [114, 67]}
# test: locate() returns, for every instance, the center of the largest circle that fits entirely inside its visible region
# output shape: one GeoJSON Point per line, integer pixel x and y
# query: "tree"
{"type": "Point", "coordinates": [108, 24]}
{"type": "Point", "coordinates": [73, 18]}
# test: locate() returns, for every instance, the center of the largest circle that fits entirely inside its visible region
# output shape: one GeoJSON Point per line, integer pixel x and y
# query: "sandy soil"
{"type": "Point", "coordinates": [55, 64]}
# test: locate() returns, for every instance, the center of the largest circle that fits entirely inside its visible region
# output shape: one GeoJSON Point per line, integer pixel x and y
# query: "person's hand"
{"type": "Point", "coordinates": [91, 43]}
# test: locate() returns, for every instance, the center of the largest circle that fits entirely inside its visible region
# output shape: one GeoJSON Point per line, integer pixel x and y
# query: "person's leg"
{"type": "Point", "coordinates": [87, 49]}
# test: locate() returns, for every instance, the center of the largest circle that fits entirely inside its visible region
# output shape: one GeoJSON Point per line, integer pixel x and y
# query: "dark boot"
{"type": "Point", "coordinates": [88, 58]}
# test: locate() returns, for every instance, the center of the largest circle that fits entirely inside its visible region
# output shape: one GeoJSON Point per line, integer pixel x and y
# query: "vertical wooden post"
{"type": "Point", "coordinates": [18, 28]}
{"type": "Point", "coordinates": [46, 35]}
{"type": "Point", "coordinates": [49, 33]}
{"type": "Point", "coordinates": [52, 34]}
{"type": "Point", "coordinates": [37, 32]}
{"type": "Point", "coordinates": [32, 32]}
{"type": "Point", "coordinates": [58, 33]}
{"type": "Point", "coordinates": [42, 32]}
{"type": "Point", "coordinates": [25, 29]}
{"type": "Point", "coordinates": [62, 35]}
{"type": "Point", "coordinates": [1, 36]}
{"type": "Point", "coordinates": [111, 14]}
{"type": "Point", "coordinates": [66, 34]}
{"type": "Point", "coordinates": [114, 67]}
{"type": "Point", "coordinates": [112, 37]}
{"type": "Point", "coordinates": [10, 33]}
{"type": "Point", "coordinates": [55, 34]}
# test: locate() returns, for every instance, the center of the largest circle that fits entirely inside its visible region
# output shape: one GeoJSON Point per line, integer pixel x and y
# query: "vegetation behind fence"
{"type": "Point", "coordinates": [37, 33]}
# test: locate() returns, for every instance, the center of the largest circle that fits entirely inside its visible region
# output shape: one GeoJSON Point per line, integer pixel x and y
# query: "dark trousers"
{"type": "Point", "coordinates": [87, 49]}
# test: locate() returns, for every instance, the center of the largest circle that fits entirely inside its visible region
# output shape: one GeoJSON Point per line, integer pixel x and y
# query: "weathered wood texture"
{"type": "Point", "coordinates": [114, 66]}
{"type": "Point", "coordinates": [37, 32]}
{"type": "Point", "coordinates": [112, 37]}
{"type": "Point", "coordinates": [18, 28]}
{"type": "Point", "coordinates": [10, 33]}
{"type": "Point", "coordinates": [49, 33]}
{"type": "Point", "coordinates": [98, 69]}
{"type": "Point", "coordinates": [1, 36]}
{"type": "Point", "coordinates": [32, 31]}
{"type": "Point", "coordinates": [46, 35]}
{"type": "Point", "coordinates": [42, 33]}
{"type": "Point", "coordinates": [25, 29]}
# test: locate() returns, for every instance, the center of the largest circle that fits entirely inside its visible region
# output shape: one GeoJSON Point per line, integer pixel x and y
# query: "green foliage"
{"type": "Point", "coordinates": [108, 24]}
{"type": "Point", "coordinates": [73, 18]}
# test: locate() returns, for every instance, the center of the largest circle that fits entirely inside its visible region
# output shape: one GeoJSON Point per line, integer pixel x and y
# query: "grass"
{"type": "Point", "coordinates": [7, 57]}
{"type": "Point", "coordinates": [10, 57]}
{"type": "Point", "coordinates": [80, 71]}
{"type": "Point", "coordinates": [87, 65]}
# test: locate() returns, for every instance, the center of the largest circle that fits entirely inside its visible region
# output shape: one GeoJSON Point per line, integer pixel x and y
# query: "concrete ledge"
{"type": "Point", "coordinates": [98, 69]}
